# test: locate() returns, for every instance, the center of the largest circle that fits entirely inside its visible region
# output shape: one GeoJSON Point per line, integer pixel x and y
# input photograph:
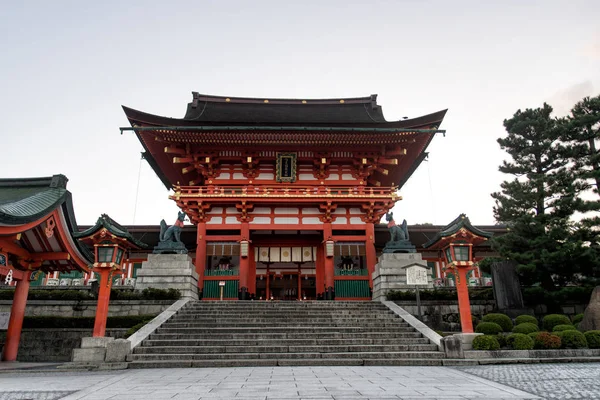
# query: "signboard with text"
{"type": "Point", "coordinates": [416, 275]}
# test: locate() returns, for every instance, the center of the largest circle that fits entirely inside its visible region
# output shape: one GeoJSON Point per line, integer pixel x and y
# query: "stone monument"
{"type": "Point", "coordinates": [170, 267]}
{"type": "Point", "coordinates": [591, 316]}
{"type": "Point", "coordinates": [169, 240]}
{"type": "Point", "coordinates": [398, 258]}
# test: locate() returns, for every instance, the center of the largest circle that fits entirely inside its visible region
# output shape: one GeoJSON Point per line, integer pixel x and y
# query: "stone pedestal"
{"type": "Point", "coordinates": [390, 273]}
{"type": "Point", "coordinates": [101, 352]}
{"type": "Point", "coordinates": [169, 271]}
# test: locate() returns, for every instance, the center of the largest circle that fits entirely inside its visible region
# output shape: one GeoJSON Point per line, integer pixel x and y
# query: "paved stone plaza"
{"type": "Point", "coordinates": [555, 381]}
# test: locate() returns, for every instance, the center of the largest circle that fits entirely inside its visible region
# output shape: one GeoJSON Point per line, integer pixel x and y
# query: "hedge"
{"type": "Point", "coordinates": [74, 294]}
{"type": "Point", "coordinates": [572, 339]}
{"type": "Point", "coordinates": [488, 328]}
{"type": "Point", "coordinates": [571, 294]}
{"type": "Point", "coordinates": [545, 340]}
{"type": "Point", "coordinates": [560, 328]}
{"type": "Point", "coordinates": [551, 320]}
{"type": "Point", "coordinates": [521, 319]}
{"type": "Point", "coordinates": [593, 339]}
{"type": "Point", "coordinates": [519, 341]}
{"type": "Point", "coordinates": [438, 294]}
{"type": "Point", "coordinates": [525, 328]}
{"type": "Point", "coordinates": [501, 319]}
{"type": "Point", "coordinates": [83, 322]}
{"type": "Point", "coordinates": [486, 342]}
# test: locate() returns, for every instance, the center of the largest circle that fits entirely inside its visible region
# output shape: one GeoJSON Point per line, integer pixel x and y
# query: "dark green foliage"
{"type": "Point", "coordinates": [50, 295]}
{"type": "Point", "coordinates": [438, 294]}
{"type": "Point", "coordinates": [83, 322]}
{"type": "Point", "coordinates": [539, 201]}
{"type": "Point", "coordinates": [560, 328]}
{"type": "Point", "coordinates": [486, 342]}
{"type": "Point", "coordinates": [136, 328]}
{"type": "Point", "coordinates": [577, 319]}
{"type": "Point", "coordinates": [519, 341]}
{"type": "Point", "coordinates": [501, 319]}
{"type": "Point", "coordinates": [501, 339]}
{"type": "Point", "coordinates": [572, 339]}
{"type": "Point", "coordinates": [551, 320]}
{"type": "Point", "coordinates": [525, 328]}
{"type": "Point", "coordinates": [160, 294]}
{"type": "Point", "coordinates": [488, 328]}
{"type": "Point", "coordinates": [593, 339]}
{"type": "Point", "coordinates": [545, 340]}
{"type": "Point", "coordinates": [521, 319]}
{"type": "Point", "coordinates": [146, 294]}
{"type": "Point", "coordinates": [115, 294]}
{"type": "Point", "coordinates": [554, 299]}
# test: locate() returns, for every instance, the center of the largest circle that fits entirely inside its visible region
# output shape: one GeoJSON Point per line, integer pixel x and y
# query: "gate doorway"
{"type": "Point", "coordinates": [285, 286]}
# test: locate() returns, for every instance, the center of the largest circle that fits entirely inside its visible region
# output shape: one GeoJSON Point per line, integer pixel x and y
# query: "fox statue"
{"type": "Point", "coordinates": [172, 233]}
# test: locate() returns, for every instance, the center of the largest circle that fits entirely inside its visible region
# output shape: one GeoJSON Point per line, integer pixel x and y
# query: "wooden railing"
{"type": "Point", "coordinates": [282, 191]}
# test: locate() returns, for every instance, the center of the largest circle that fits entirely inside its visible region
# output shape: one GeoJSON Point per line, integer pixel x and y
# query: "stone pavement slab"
{"type": "Point", "coordinates": [550, 381]}
{"type": "Point", "coordinates": [265, 383]}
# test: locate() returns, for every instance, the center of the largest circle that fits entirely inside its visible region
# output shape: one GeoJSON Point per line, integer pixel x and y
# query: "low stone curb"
{"type": "Point", "coordinates": [151, 326]}
{"type": "Point", "coordinates": [532, 354]}
{"type": "Point", "coordinates": [415, 323]}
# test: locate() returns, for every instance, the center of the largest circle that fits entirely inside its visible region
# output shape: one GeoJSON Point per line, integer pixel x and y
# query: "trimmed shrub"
{"type": "Point", "coordinates": [519, 341]}
{"type": "Point", "coordinates": [501, 339]}
{"type": "Point", "coordinates": [488, 328]}
{"type": "Point", "coordinates": [560, 328]}
{"type": "Point", "coordinates": [525, 328]}
{"type": "Point", "coordinates": [577, 319]}
{"type": "Point", "coordinates": [545, 340]}
{"type": "Point", "coordinates": [593, 339]}
{"type": "Point", "coordinates": [572, 339]}
{"type": "Point", "coordinates": [486, 342]}
{"type": "Point", "coordinates": [501, 319]}
{"type": "Point", "coordinates": [57, 294]}
{"type": "Point", "coordinates": [551, 320]}
{"type": "Point", "coordinates": [521, 319]}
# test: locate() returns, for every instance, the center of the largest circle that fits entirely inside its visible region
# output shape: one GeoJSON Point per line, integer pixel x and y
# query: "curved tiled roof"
{"type": "Point", "coordinates": [113, 227]}
{"type": "Point", "coordinates": [462, 221]}
{"type": "Point", "coordinates": [26, 200]}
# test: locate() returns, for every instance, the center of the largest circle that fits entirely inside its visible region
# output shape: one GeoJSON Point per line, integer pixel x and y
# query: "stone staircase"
{"type": "Point", "coordinates": [229, 334]}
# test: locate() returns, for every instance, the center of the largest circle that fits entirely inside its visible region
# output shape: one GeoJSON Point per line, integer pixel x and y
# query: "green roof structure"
{"type": "Point", "coordinates": [462, 221]}
{"type": "Point", "coordinates": [104, 221]}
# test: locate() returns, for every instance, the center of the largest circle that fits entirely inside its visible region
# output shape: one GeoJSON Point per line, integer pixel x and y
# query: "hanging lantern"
{"type": "Point", "coordinates": [329, 247]}
{"type": "Point", "coordinates": [244, 247]}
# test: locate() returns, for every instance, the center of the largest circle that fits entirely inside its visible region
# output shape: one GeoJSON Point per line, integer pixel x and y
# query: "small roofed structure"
{"type": "Point", "coordinates": [37, 227]}
{"type": "Point", "coordinates": [110, 242]}
{"type": "Point", "coordinates": [456, 243]}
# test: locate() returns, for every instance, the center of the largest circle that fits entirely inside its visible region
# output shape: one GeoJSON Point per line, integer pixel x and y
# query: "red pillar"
{"type": "Point", "coordinates": [201, 256]}
{"type": "Point", "coordinates": [320, 272]}
{"type": "Point", "coordinates": [371, 255]}
{"type": "Point", "coordinates": [464, 305]}
{"type": "Point", "coordinates": [15, 323]}
{"type": "Point", "coordinates": [329, 266]}
{"type": "Point", "coordinates": [251, 273]}
{"type": "Point", "coordinates": [244, 264]}
{"type": "Point", "coordinates": [103, 299]}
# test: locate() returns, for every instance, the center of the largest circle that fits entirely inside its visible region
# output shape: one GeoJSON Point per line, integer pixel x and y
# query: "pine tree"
{"type": "Point", "coordinates": [538, 203]}
{"type": "Point", "coordinates": [581, 135]}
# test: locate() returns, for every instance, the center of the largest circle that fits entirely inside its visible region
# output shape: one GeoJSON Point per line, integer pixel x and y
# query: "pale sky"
{"type": "Point", "coordinates": [67, 67]}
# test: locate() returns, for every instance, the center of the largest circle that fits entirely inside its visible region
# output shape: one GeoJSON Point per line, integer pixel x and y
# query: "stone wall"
{"type": "Point", "coordinates": [87, 308]}
{"type": "Point", "coordinates": [53, 345]}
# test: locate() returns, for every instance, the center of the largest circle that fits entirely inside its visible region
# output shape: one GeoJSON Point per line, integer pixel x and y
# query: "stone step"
{"type": "Point", "coordinates": [284, 315]}
{"type": "Point", "coordinates": [283, 349]}
{"type": "Point", "coordinates": [233, 356]}
{"type": "Point", "coordinates": [275, 329]}
{"type": "Point", "coordinates": [289, 320]}
{"type": "Point", "coordinates": [275, 336]}
{"type": "Point", "coordinates": [282, 342]}
{"type": "Point", "coordinates": [282, 325]}
{"type": "Point", "coordinates": [283, 362]}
